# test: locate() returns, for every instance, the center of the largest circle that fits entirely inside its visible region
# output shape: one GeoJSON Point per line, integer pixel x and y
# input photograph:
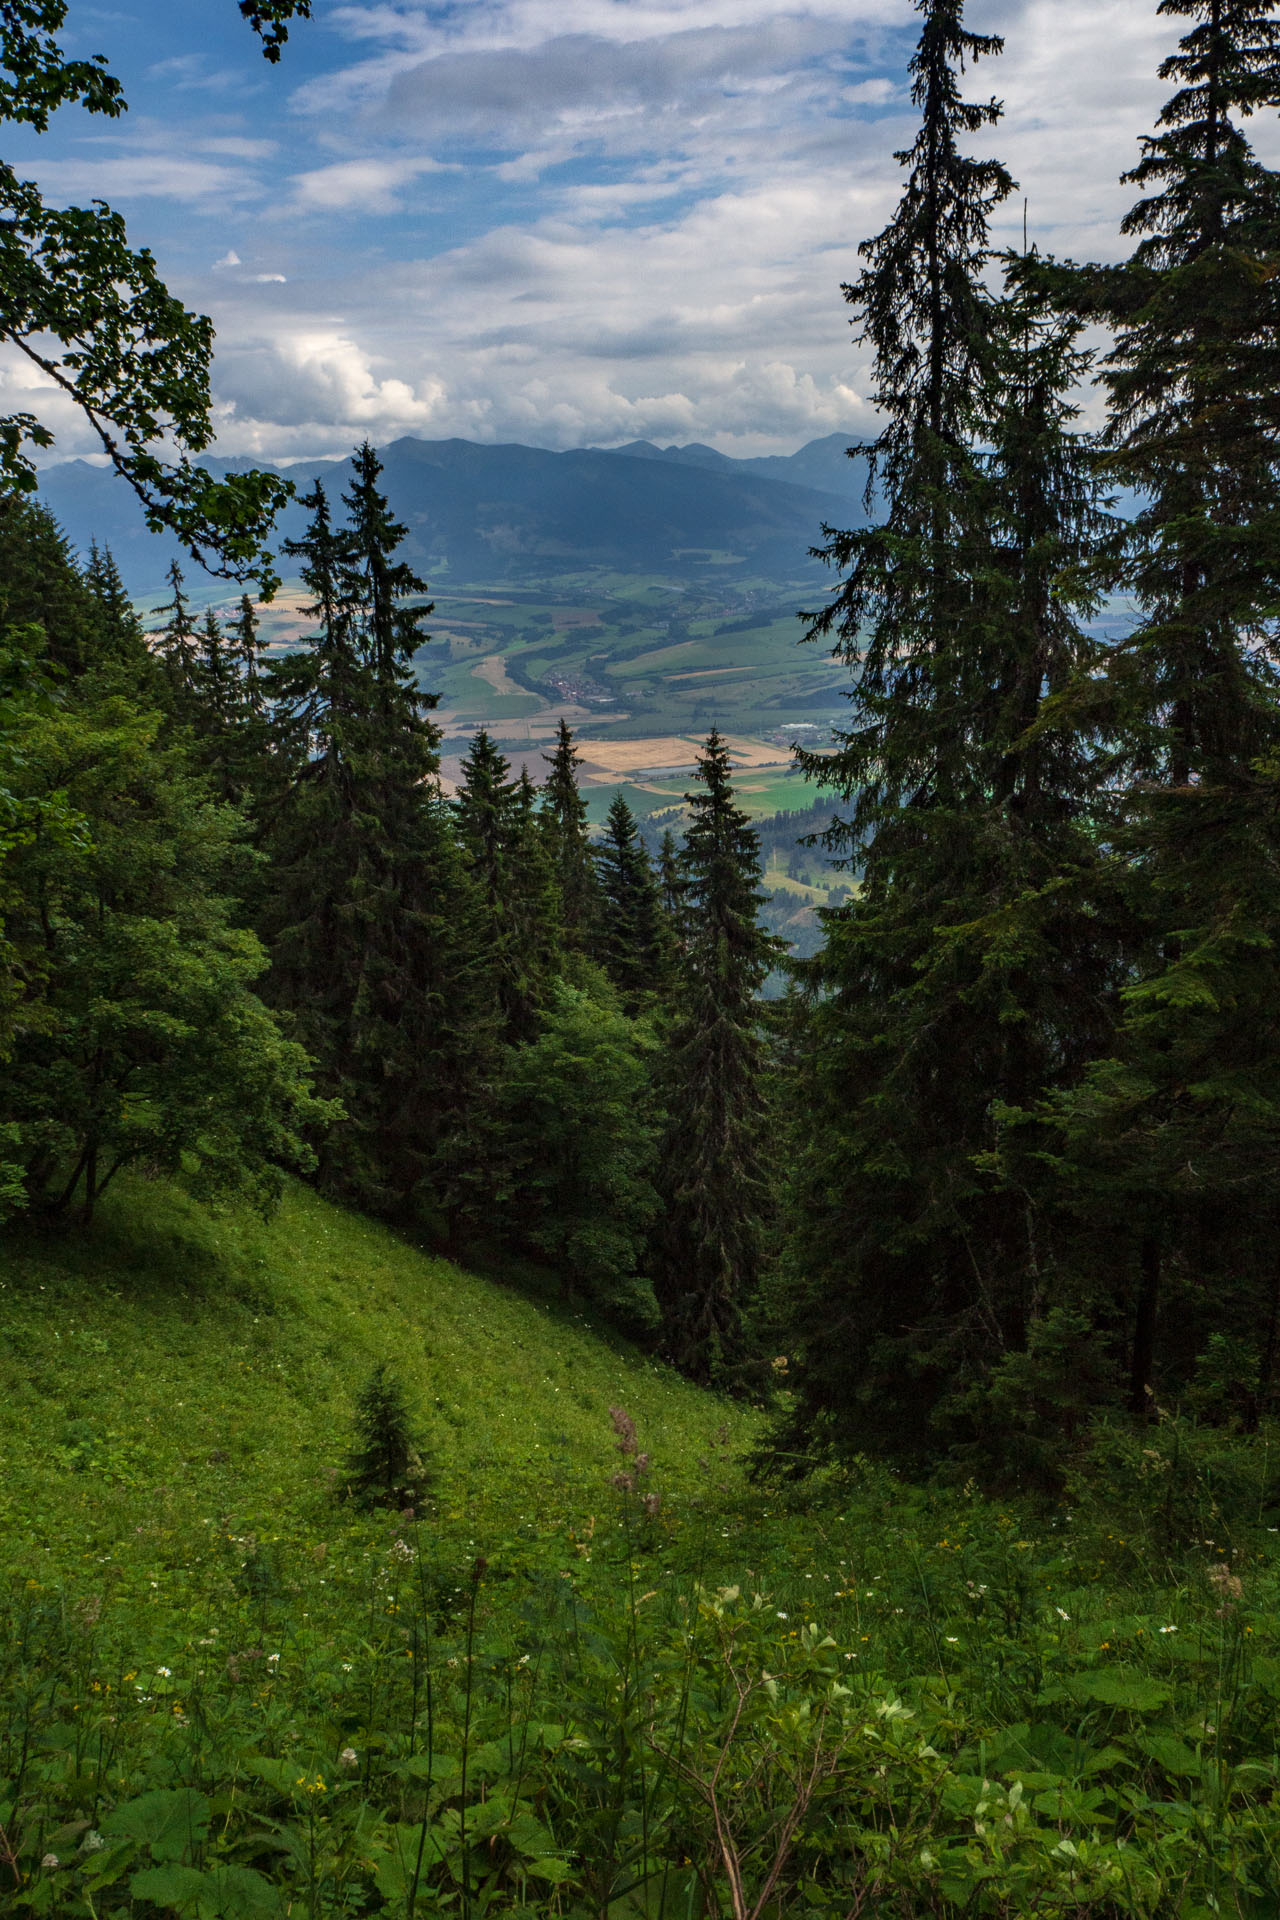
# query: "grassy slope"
{"type": "Point", "coordinates": [175, 1393]}
{"type": "Point", "coordinates": [209, 1363]}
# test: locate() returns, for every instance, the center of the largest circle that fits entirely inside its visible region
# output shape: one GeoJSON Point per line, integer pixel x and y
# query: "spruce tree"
{"type": "Point", "coordinates": [369, 916]}
{"type": "Point", "coordinates": [178, 647]}
{"type": "Point", "coordinates": [632, 943]}
{"type": "Point", "coordinates": [507, 862]}
{"type": "Point", "coordinates": [961, 982]}
{"type": "Point", "coordinates": [715, 1175]}
{"type": "Point", "coordinates": [120, 642]}
{"type": "Point", "coordinates": [1168, 1135]}
{"type": "Point", "coordinates": [565, 815]}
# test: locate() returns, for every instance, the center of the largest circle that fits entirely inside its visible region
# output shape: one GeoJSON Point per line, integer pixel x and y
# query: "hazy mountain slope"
{"type": "Point", "coordinates": [485, 513]}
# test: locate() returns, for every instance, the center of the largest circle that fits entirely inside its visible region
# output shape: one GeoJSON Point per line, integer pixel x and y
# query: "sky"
{"type": "Point", "coordinates": [561, 222]}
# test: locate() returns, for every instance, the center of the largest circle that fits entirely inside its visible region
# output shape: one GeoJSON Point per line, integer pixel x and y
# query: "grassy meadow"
{"type": "Point", "coordinates": [574, 1680]}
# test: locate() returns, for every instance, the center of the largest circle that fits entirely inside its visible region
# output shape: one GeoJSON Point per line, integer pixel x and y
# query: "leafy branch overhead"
{"type": "Point", "coordinates": [92, 315]}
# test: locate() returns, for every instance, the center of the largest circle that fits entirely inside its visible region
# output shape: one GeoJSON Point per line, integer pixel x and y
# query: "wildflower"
{"type": "Point", "coordinates": [952, 1639]}
{"type": "Point", "coordinates": [165, 1672]}
{"type": "Point", "coordinates": [93, 1842]}
{"type": "Point", "coordinates": [50, 1862]}
{"type": "Point", "coordinates": [652, 1504]}
{"type": "Point", "coordinates": [1061, 1613]}
{"type": "Point", "coordinates": [625, 1428]}
{"type": "Point", "coordinates": [623, 1482]}
{"type": "Point", "coordinates": [782, 1616]}
{"type": "Point", "coordinates": [348, 1757]}
{"type": "Point", "coordinates": [1225, 1584]}
{"type": "Point", "coordinates": [1168, 1629]}
{"type": "Point", "coordinates": [273, 1659]}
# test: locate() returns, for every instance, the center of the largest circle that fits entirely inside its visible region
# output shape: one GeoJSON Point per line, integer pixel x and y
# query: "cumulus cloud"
{"type": "Point", "coordinates": [368, 186]}
{"type": "Point", "coordinates": [589, 221]}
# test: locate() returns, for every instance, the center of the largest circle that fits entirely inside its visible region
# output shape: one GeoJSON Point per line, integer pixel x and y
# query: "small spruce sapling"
{"type": "Point", "coordinates": [385, 1466]}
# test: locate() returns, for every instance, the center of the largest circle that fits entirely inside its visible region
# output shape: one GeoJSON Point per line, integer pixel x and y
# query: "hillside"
{"type": "Point", "coordinates": [214, 1361]}
{"type": "Point", "coordinates": [514, 513]}
{"type": "Point", "coordinates": [227, 1694]}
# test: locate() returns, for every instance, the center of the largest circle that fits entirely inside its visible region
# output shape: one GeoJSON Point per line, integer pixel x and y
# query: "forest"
{"type": "Point", "coordinates": [970, 1237]}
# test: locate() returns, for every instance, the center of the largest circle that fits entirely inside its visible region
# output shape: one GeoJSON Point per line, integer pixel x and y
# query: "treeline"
{"type": "Point", "coordinates": [244, 929]}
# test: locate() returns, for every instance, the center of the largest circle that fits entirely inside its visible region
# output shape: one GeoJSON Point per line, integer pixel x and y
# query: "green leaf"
{"type": "Point", "coordinates": [170, 1823]}
{"type": "Point", "coordinates": [236, 1893]}
{"type": "Point", "coordinates": [1174, 1755]}
{"type": "Point", "coordinates": [174, 1889]}
{"type": "Point", "coordinates": [1121, 1687]}
{"type": "Point", "coordinates": [557, 1871]}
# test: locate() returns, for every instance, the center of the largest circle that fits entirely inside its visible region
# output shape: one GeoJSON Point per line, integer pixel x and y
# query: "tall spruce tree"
{"type": "Point", "coordinates": [565, 815]}
{"type": "Point", "coordinates": [633, 943]}
{"type": "Point", "coordinates": [1173, 1138]}
{"type": "Point", "coordinates": [369, 918]}
{"type": "Point", "coordinates": [715, 1177]}
{"type": "Point", "coordinates": [958, 985]}
{"type": "Point", "coordinates": [510, 869]}
{"type": "Point", "coordinates": [178, 647]}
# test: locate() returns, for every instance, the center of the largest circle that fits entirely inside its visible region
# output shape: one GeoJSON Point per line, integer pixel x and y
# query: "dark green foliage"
{"type": "Point", "coordinates": [370, 920]}
{"type": "Point", "coordinates": [132, 1031]}
{"type": "Point", "coordinates": [1171, 1140]}
{"type": "Point", "coordinates": [579, 1131]}
{"type": "Point", "coordinates": [564, 812]}
{"type": "Point", "coordinates": [510, 868]}
{"type": "Point", "coordinates": [384, 1467]}
{"type": "Point", "coordinates": [970, 974]}
{"type": "Point", "coordinates": [178, 650]}
{"type": "Point", "coordinates": [634, 939]}
{"type": "Point", "coordinates": [716, 1172]}
{"type": "Point", "coordinates": [93, 315]}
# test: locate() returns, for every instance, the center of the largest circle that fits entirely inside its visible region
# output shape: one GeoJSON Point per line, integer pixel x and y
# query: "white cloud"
{"type": "Point", "coordinates": [131, 176]}
{"type": "Point", "coordinates": [366, 186]}
{"type": "Point", "coordinates": [572, 221]}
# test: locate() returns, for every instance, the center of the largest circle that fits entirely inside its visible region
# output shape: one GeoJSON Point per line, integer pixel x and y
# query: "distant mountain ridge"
{"type": "Point", "coordinates": [478, 513]}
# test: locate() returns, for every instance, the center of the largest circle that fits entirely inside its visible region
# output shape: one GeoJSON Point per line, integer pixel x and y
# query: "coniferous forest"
{"type": "Point", "coordinates": [973, 1236]}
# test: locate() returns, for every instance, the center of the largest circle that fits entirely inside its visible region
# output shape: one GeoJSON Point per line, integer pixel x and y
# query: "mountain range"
{"type": "Point", "coordinates": [488, 513]}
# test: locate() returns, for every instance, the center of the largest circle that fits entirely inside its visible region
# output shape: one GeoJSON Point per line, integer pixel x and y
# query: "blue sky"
{"type": "Point", "coordinates": [566, 222]}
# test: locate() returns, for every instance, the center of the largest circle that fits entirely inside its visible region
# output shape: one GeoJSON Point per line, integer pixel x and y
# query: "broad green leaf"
{"type": "Point", "coordinates": [171, 1822]}
{"type": "Point", "coordinates": [173, 1889]}
{"type": "Point", "coordinates": [1121, 1687]}
{"type": "Point", "coordinates": [1174, 1755]}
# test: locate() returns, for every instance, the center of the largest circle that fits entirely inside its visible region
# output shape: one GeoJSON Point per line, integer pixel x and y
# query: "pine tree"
{"type": "Point", "coordinates": [178, 647]}
{"type": "Point", "coordinates": [1157, 1137]}
{"type": "Point", "coordinates": [246, 651]}
{"type": "Point", "coordinates": [120, 642]}
{"type": "Point", "coordinates": [632, 944]}
{"type": "Point", "coordinates": [715, 1178]}
{"type": "Point", "coordinates": [962, 982]}
{"type": "Point", "coordinates": [510, 870]}
{"type": "Point", "coordinates": [565, 814]}
{"type": "Point", "coordinates": [369, 918]}
{"type": "Point", "coordinates": [384, 1467]}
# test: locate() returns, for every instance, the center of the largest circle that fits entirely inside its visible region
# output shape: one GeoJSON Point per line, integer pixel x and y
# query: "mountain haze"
{"type": "Point", "coordinates": [506, 512]}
